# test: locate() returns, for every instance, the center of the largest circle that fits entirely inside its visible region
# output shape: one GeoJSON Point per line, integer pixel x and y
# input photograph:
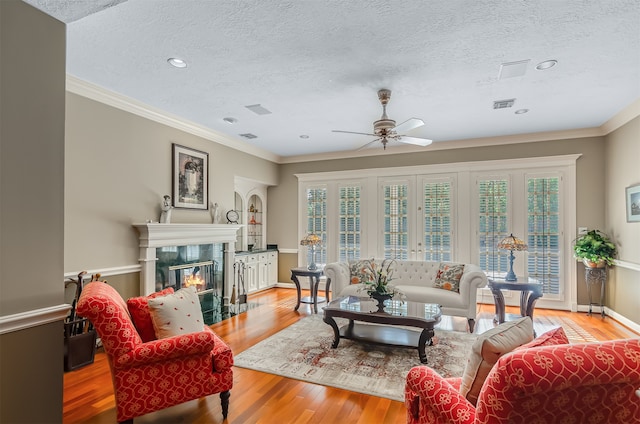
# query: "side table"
{"type": "Point", "coordinates": [314, 281]}
{"type": "Point", "coordinates": [530, 292]}
{"type": "Point", "coordinates": [594, 276]}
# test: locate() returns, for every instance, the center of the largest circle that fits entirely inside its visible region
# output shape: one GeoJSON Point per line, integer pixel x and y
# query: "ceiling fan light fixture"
{"type": "Point", "coordinates": [176, 62]}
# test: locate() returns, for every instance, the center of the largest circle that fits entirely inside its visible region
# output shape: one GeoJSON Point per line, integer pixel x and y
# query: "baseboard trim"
{"type": "Point", "coordinates": [33, 318]}
{"type": "Point", "coordinates": [613, 314]}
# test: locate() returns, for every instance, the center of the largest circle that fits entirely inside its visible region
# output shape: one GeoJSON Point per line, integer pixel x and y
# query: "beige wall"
{"type": "Point", "coordinates": [32, 90]}
{"type": "Point", "coordinates": [623, 170]}
{"type": "Point", "coordinates": [119, 167]}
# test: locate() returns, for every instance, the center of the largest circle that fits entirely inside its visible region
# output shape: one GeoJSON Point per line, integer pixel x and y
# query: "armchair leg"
{"type": "Point", "coordinates": [472, 324]}
{"type": "Point", "coordinates": [224, 400]}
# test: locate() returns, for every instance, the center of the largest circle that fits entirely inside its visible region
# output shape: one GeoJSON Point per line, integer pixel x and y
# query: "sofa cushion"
{"type": "Point", "coordinates": [177, 313]}
{"type": "Point", "coordinates": [488, 348]}
{"type": "Point", "coordinates": [358, 271]}
{"type": "Point", "coordinates": [448, 277]}
{"type": "Point", "coordinates": [139, 310]}
{"type": "Point", "coordinates": [552, 337]}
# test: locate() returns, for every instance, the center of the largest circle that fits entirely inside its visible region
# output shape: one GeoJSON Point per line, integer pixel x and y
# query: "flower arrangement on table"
{"type": "Point", "coordinates": [375, 277]}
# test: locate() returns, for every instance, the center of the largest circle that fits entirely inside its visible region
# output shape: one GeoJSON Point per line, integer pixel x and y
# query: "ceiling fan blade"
{"type": "Point", "coordinates": [368, 144]}
{"type": "Point", "coordinates": [414, 140]}
{"type": "Point", "coordinates": [352, 132]}
{"type": "Point", "coordinates": [408, 125]}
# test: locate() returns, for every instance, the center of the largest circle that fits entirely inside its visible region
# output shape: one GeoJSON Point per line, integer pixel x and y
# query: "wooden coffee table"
{"type": "Point", "coordinates": [396, 313]}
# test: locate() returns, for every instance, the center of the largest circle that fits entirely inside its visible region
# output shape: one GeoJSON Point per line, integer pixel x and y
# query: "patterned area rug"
{"type": "Point", "coordinates": [303, 351]}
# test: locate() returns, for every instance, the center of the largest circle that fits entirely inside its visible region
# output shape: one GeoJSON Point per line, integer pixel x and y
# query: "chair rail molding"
{"type": "Point", "coordinates": [33, 318]}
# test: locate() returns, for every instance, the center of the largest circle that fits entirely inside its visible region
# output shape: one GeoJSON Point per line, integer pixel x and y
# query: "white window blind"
{"type": "Point", "coordinates": [395, 225]}
{"type": "Point", "coordinates": [349, 229]}
{"type": "Point", "coordinates": [492, 224]}
{"type": "Point", "coordinates": [543, 232]}
{"type": "Point", "coordinates": [317, 222]}
{"type": "Point", "coordinates": [437, 221]}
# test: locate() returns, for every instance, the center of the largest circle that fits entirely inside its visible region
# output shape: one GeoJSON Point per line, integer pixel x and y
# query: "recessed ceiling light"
{"type": "Point", "coordinates": [521, 111]}
{"type": "Point", "coordinates": [304, 136]}
{"type": "Point", "coordinates": [178, 63]}
{"type": "Point", "coordinates": [230, 120]}
{"type": "Point", "coordinates": [546, 64]}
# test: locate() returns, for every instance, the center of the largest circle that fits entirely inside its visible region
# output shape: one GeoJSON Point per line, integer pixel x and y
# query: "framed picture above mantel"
{"type": "Point", "coordinates": [633, 203]}
{"type": "Point", "coordinates": [190, 178]}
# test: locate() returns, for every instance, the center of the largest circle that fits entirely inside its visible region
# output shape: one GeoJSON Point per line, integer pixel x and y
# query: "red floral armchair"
{"type": "Point", "coordinates": [579, 383]}
{"type": "Point", "coordinates": [160, 373]}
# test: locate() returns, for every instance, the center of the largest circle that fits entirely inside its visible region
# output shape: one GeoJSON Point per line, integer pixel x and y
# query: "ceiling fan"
{"type": "Point", "coordinates": [386, 129]}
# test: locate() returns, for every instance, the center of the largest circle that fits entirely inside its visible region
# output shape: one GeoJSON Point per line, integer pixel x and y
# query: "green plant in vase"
{"type": "Point", "coordinates": [595, 249]}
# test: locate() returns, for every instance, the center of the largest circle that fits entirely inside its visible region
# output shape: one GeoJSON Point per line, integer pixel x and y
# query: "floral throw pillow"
{"type": "Point", "coordinates": [359, 271]}
{"type": "Point", "coordinates": [448, 277]}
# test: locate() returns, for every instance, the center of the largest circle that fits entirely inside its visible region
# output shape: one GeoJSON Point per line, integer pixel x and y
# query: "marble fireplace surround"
{"type": "Point", "coordinates": [154, 235]}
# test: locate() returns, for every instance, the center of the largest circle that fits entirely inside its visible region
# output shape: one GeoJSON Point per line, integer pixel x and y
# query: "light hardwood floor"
{"type": "Point", "coordinates": [264, 398]}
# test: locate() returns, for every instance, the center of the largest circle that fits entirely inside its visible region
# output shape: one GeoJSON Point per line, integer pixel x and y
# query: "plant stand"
{"type": "Point", "coordinates": [593, 276]}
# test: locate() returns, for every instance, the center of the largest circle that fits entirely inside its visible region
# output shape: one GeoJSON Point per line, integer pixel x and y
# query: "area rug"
{"type": "Point", "coordinates": [303, 351]}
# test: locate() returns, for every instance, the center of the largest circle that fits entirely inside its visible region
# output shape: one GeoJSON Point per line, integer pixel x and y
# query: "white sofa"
{"type": "Point", "coordinates": [416, 280]}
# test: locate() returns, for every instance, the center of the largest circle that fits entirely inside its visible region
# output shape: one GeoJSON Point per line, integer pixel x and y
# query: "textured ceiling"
{"type": "Point", "coordinates": [317, 65]}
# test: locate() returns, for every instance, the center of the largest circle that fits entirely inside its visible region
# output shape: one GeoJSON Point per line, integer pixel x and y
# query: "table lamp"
{"type": "Point", "coordinates": [511, 243]}
{"type": "Point", "coordinates": [312, 241]}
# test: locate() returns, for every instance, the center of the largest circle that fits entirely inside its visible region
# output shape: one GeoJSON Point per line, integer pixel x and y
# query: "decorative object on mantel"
{"type": "Point", "coordinates": [512, 243]}
{"type": "Point", "coordinates": [190, 178]}
{"type": "Point", "coordinates": [312, 241]}
{"type": "Point", "coordinates": [216, 213]}
{"type": "Point", "coordinates": [595, 249]}
{"type": "Point", "coordinates": [233, 216]}
{"type": "Point", "coordinates": [165, 216]}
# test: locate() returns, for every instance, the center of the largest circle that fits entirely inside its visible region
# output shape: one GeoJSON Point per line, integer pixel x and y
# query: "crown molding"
{"type": "Point", "coordinates": [100, 94]}
{"type": "Point", "coordinates": [621, 118]}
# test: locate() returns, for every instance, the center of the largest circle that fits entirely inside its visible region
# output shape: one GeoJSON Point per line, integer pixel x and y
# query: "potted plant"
{"type": "Point", "coordinates": [595, 249]}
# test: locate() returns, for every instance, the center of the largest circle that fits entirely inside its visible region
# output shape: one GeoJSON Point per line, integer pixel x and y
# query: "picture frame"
{"type": "Point", "coordinates": [633, 203]}
{"type": "Point", "coordinates": [190, 172]}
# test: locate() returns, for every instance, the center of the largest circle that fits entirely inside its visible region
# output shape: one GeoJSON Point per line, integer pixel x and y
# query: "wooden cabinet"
{"type": "Point", "coordinates": [260, 270]}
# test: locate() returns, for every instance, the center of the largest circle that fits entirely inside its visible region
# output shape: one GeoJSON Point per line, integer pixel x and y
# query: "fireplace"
{"type": "Point", "coordinates": [178, 255]}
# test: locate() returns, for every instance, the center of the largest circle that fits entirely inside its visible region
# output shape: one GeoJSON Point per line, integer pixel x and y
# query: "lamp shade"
{"type": "Point", "coordinates": [310, 240]}
{"type": "Point", "coordinates": [512, 243]}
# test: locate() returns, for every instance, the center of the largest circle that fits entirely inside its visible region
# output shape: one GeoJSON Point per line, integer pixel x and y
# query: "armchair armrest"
{"type": "Point", "coordinates": [165, 349]}
{"type": "Point", "coordinates": [428, 394]}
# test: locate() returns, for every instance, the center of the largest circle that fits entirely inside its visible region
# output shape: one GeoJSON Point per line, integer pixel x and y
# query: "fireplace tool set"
{"type": "Point", "coordinates": [239, 269]}
{"type": "Point", "coordinates": [79, 334]}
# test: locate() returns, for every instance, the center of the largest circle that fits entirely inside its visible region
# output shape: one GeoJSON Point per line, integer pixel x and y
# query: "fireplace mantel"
{"type": "Point", "coordinates": [154, 235]}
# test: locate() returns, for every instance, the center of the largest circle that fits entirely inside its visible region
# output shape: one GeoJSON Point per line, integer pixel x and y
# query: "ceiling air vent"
{"type": "Point", "coordinates": [248, 135]}
{"type": "Point", "coordinates": [503, 104]}
{"type": "Point", "coordinates": [258, 109]}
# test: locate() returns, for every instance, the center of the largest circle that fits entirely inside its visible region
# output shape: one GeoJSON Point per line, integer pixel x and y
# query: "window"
{"type": "Point", "coordinates": [437, 231]}
{"type": "Point", "coordinates": [396, 220]}
{"type": "Point", "coordinates": [492, 224]}
{"type": "Point", "coordinates": [317, 222]}
{"type": "Point", "coordinates": [543, 232]}
{"type": "Point", "coordinates": [349, 230]}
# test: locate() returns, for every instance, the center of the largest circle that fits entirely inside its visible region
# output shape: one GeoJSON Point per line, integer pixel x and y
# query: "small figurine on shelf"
{"type": "Point", "coordinates": [252, 208]}
{"type": "Point", "coordinates": [165, 216]}
{"type": "Point", "coordinates": [216, 213]}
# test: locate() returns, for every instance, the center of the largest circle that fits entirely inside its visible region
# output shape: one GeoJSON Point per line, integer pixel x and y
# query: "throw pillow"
{"type": "Point", "coordinates": [139, 311]}
{"type": "Point", "coordinates": [488, 348]}
{"type": "Point", "coordinates": [358, 271]}
{"type": "Point", "coordinates": [177, 313]}
{"type": "Point", "coordinates": [551, 337]}
{"type": "Point", "coordinates": [448, 277]}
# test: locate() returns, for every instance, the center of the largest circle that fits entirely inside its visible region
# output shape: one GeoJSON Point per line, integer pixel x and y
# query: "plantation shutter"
{"type": "Point", "coordinates": [437, 221]}
{"type": "Point", "coordinates": [317, 222]}
{"type": "Point", "coordinates": [349, 227]}
{"type": "Point", "coordinates": [543, 221]}
{"type": "Point", "coordinates": [492, 224]}
{"type": "Point", "coordinates": [395, 221]}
